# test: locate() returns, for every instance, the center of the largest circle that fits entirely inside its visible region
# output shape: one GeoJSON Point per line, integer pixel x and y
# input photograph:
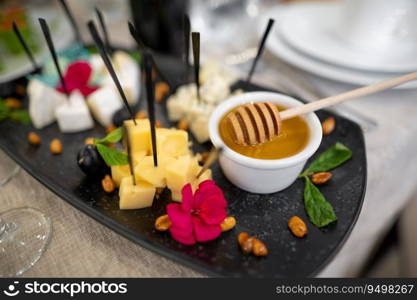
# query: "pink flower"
{"type": "Point", "coordinates": [77, 77]}
{"type": "Point", "coordinates": [198, 217]}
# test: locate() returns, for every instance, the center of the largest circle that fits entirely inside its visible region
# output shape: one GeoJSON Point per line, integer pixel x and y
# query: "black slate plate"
{"type": "Point", "coordinates": [262, 215]}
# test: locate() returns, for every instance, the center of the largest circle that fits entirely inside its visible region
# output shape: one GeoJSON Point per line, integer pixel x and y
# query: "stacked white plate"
{"type": "Point", "coordinates": [309, 36]}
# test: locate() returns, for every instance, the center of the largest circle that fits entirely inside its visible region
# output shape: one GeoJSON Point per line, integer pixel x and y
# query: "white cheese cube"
{"type": "Point", "coordinates": [103, 103]}
{"type": "Point", "coordinates": [73, 115]}
{"type": "Point", "coordinates": [43, 100]}
{"type": "Point", "coordinates": [199, 128]}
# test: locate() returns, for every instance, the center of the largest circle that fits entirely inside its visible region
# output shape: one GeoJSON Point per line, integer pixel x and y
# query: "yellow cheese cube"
{"type": "Point", "coordinates": [139, 135]}
{"type": "Point", "coordinates": [135, 196]}
{"type": "Point", "coordinates": [119, 172]}
{"type": "Point", "coordinates": [176, 196]}
{"type": "Point", "coordinates": [179, 173]}
{"type": "Point", "coordinates": [146, 171]}
{"type": "Point", "coordinates": [138, 156]}
{"type": "Point", "coordinates": [172, 142]}
{"type": "Point", "coordinates": [205, 176]}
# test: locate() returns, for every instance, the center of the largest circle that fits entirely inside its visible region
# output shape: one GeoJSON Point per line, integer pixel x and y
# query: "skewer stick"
{"type": "Point", "coordinates": [260, 49]}
{"type": "Point", "coordinates": [49, 42]}
{"type": "Point", "coordinates": [211, 159]}
{"type": "Point", "coordinates": [196, 53]}
{"type": "Point", "coordinates": [126, 142]}
{"type": "Point", "coordinates": [150, 93]}
{"type": "Point", "coordinates": [143, 48]}
{"type": "Point", "coordinates": [25, 46]}
{"type": "Point", "coordinates": [109, 66]}
{"type": "Point", "coordinates": [71, 19]}
{"type": "Point", "coordinates": [356, 93]}
{"type": "Point", "coordinates": [103, 26]}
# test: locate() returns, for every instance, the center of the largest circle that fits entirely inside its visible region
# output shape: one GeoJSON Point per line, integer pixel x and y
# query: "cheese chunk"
{"type": "Point", "coordinates": [147, 172]}
{"type": "Point", "coordinates": [179, 173]}
{"type": "Point", "coordinates": [119, 172]}
{"type": "Point", "coordinates": [103, 103]}
{"type": "Point", "coordinates": [135, 196]}
{"type": "Point", "coordinates": [172, 142]}
{"type": "Point", "coordinates": [139, 135]}
{"type": "Point", "coordinates": [199, 128]}
{"type": "Point", "coordinates": [43, 101]}
{"type": "Point", "coordinates": [73, 115]}
{"type": "Point", "coordinates": [138, 156]}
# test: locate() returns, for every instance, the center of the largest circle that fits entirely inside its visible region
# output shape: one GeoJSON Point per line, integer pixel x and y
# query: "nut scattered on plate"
{"type": "Point", "coordinates": [108, 184]}
{"type": "Point", "coordinates": [55, 146]}
{"type": "Point", "coordinates": [249, 244]}
{"type": "Point", "coordinates": [34, 138]}
{"type": "Point", "coordinates": [321, 177]}
{"type": "Point", "coordinates": [328, 125]}
{"type": "Point", "coordinates": [297, 226]}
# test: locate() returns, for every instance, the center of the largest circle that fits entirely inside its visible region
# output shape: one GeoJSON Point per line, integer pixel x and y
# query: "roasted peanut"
{"type": "Point", "coordinates": [89, 141]}
{"type": "Point", "coordinates": [34, 138]}
{"type": "Point", "coordinates": [158, 124]}
{"type": "Point", "coordinates": [162, 223]}
{"type": "Point", "coordinates": [321, 177]}
{"type": "Point", "coordinates": [110, 128]}
{"type": "Point", "coordinates": [259, 248]}
{"type": "Point", "coordinates": [297, 226]}
{"type": "Point", "coordinates": [228, 223]}
{"type": "Point", "coordinates": [328, 125]}
{"type": "Point", "coordinates": [55, 146]}
{"type": "Point", "coordinates": [245, 242]}
{"type": "Point", "coordinates": [13, 103]}
{"type": "Point", "coordinates": [108, 184]}
{"type": "Point", "coordinates": [161, 90]}
{"type": "Point", "coordinates": [183, 125]}
{"type": "Point", "coordinates": [141, 114]}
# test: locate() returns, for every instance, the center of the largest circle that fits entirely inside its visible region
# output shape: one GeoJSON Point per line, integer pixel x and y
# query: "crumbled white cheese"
{"type": "Point", "coordinates": [73, 115]}
{"type": "Point", "coordinates": [43, 100]}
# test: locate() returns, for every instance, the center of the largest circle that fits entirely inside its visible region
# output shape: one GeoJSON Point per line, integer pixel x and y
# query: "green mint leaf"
{"type": "Point", "coordinates": [112, 138]}
{"type": "Point", "coordinates": [112, 157]}
{"type": "Point", "coordinates": [319, 211]}
{"type": "Point", "coordinates": [21, 116]}
{"type": "Point", "coordinates": [329, 159]}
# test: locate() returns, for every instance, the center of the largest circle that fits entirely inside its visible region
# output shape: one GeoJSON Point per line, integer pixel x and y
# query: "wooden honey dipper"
{"type": "Point", "coordinates": [257, 123]}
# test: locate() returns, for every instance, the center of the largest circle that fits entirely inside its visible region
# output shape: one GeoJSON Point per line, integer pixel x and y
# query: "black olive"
{"type": "Point", "coordinates": [120, 116]}
{"type": "Point", "coordinates": [90, 162]}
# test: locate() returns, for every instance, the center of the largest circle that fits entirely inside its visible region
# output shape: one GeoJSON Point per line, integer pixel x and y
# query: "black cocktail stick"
{"type": "Point", "coordinates": [150, 93]}
{"type": "Point", "coordinates": [103, 26]}
{"type": "Point", "coordinates": [196, 53]}
{"type": "Point", "coordinates": [143, 48]}
{"type": "Point", "coordinates": [101, 48]}
{"type": "Point", "coordinates": [49, 42]}
{"type": "Point", "coordinates": [127, 146]}
{"type": "Point", "coordinates": [25, 46]}
{"type": "Point", "coordinates": [260, 49]}
{"type": "Point", "coordinates": [71, 19]}
{"type": "Point", "coordinates": [187, 32]}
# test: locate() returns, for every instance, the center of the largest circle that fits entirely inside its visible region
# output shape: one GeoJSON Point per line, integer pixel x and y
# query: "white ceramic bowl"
{"type": "Point", "coordinates": [262, 176]}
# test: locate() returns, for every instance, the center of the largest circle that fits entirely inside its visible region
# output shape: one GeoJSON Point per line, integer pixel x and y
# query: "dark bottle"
{"type": "Point", "coordinates": [159, 22]}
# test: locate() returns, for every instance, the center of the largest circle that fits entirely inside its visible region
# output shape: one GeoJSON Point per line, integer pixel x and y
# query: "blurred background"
{"type": "Point", "coordinates": [318, 47]}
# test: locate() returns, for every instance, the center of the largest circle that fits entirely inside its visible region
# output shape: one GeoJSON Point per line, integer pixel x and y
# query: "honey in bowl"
{"type": "Point", "coordinates": [293, 138]}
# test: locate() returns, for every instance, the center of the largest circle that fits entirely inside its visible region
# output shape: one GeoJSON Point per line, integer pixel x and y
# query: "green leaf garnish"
{"type": "Point", "coordinates": [329, 159]}
{"type": "Point", "coordinates": [112, 138]}
{"type": "Point", "coordinates": [319, 211]}
{"type": "Point", "coordinates": [21, 116]}
{"type": "Point", "coordinates": [111, 156]}
{"type": "Point", "coordinates": [17, 115]}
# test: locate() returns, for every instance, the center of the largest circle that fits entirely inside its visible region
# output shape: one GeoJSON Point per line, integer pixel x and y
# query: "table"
{"type": "Point", "coordinates": [81, 247]}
